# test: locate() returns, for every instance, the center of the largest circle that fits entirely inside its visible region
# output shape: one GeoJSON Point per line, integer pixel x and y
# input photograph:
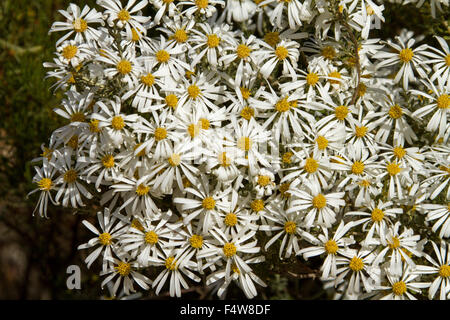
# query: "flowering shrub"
{"type": "Point", "coordinates": [211, 133]}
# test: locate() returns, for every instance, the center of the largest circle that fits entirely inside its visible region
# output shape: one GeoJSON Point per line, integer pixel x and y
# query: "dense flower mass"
{"type": "Point", "coordinates": [213, 132]}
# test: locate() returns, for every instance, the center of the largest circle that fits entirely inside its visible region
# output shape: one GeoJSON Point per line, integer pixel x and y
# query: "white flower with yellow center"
{"type": "Point", "coordinates": [438, 172]}
{"type": "Point", "coordinates": [127, 17]}
{"type": "Point", "coordinates": [137, 194]}
{"type": "Point", "coordinates": [45, 183]}
{"type": "Point", "coordinates": [69, 183]}
{"type": "Point", "coordinates": [79, 22]}
{"type": "Point", "coordinates": [102, 168]}
{"type": "Point", "coordinates": [377, 220]}
{"type": "Point", "coordinates": [401, 286]}
{"type": "Point", "coordinates": [440, 61]}
{"type": "Point", "coordinates": [230, 250]}
{"type": "Point", "coordinates": [165, 57]}
{"type": "Point", "coordinates": [211, 40]}
{"type": "Point", "coordinates": [285, 53]}
{"type": "Point", "coordinates": [264, 182]}
{"type": "Point", "coordinates": [204, 206]}
{"type": "Point", "coordinates": [287, 224]}
{"type": "Point", "coordinates": [402, 246]}
{"type": "Point", "coordinates": [146, 236]}
{"type": "Point", "coordinates": [310, 80]}
{"type": "Point", "coordinates": [175, 263]}
{"type": "Point", "coordinates": [406, 57]}
{"type": "Point", "coordinates": [390, 118]}
{"type": "Point", "coordinates": [125, 271]}
{"type": "Point", "coordinates": [398, 178]}
{"type": "Point", "coordinates": [202, 7]}
{"type": "Point", "coordinates": [73, 53]}
{"type": "Point", "coordinates": [176, 167]}
{"type": "Point", "coordinates": [113, 122]}
{"type": "Point", "coordinates": [332, 247]}
{"type": "Point", "coordinates": [105, 239]}
{"type": "Point", "coordinates": [440, 270]}
{"type": "Point", "coordinates": [439, 102]}
{"type": "Point", "coordinates": [124, 66]}
{"type": "Point", "coordinates": [316, 204]}
{"type": "Point", "coordinates": [359, 264]}
{"type": "Point", "coordinates": [245, 54]}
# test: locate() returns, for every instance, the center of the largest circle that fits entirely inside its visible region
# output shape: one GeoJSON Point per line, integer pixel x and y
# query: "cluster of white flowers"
{"type": "Point", "coordinates": [213, 132]}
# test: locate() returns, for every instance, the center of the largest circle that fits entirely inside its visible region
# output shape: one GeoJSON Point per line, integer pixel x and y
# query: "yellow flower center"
{"type": "Point", "coordinates": [73, 141]}
{"type": "Point", "coordinates": [162, 56]}
{"type": "Point", "coordinates": [224, 161]}
{"type": "Point", "coordinates": [204, 123]}
{"type": "Point", "coordinates": [193, 91]}
{"type": "Point", "coordinates": [148, 79]}
{"type": "Point", "coordinates": [78, 117]}
{"type": "Point", "coordinates": [377, 215]}
{"type": "Point", "coordinates": [123, 15]}
{"type": "Point", "coordinates": [360, 132]}
{"type": "Point", "coordinates": [69, 51]}
{"type": "Point", "coordinates": [444, 271]}
{"type": "Point", "coordinates": [394, 243]}
{"type": "Point", "coordinates": [160, 134]}
{"type": "Point", "coordinates": [142, 189]}
{"type": "Point", "coordinates": [93, 126]}
{"type": "Point", "coordinates": [105, 239]}
{"type": "Point", "coordinates": [287, 157]}
{"type": "Point", "coordinates": [281, 52]}
{"type": "Point", "coordinates": [235, 268]}
{"type": "Point", "coordinates": [356, 264]}
{"type": "Point", "coordinates": [399, 288]}
{"type": "Point", "coordinates": [193, 130]}
{"type": "Point", "coordinates": [322, 142]}
{"type": "Point", "coordinates": [319, 201]}
{"type": "Point", "coordinates": [334, 74]}
{"type": "Point", "coordinates": [243, 51]}
{"type": "Point", "coordinates": [443, 102]}
{"type": "Point", "coordinates": [196, 241]}
{"type": "Point", "coordinates": [151, 237]}
{"type": "Point", "coordinates": [311, 165]}
{"type": "Point", "coordinates": [395, 111]}
{"type": "Point", "coordinates": [45, 184]}
{"type": "Point", "coordinates": [124, 67]}
{"type": "Point", "coordinates": [209, 203]}
{"type": "Point", "coordinates": [70, 176]}
{"type": "Point", "coordinates": [108, 161]}
{"type": "Point", "coordinates": [80, 25]}
{"type": "Point", "coordinates": [312, 78]}
{"type": "Point", "coordinates": [212, 40]}
{"type": "Point", "coordinates": [229, 249]}
{"type": "Point", "coordinates": [447, 60]}
{"type": "Point", "coordinates": [247, 113]}
{"type": "Point", "coordinates": [272, 38]}
{"type": "Point", "coordinates": [331, 246]}
{"type": "Point", "coordinates": [171, 101]}
{"type": "Point", "coordinates": [245, 93]}
{"type": "Point", "coordinates": [137, 225]}
{"type": "Point", "coordinates": [123, 269]}
{"type": "Point", "coordinates": [171, 263]}
{"type": "Point", "coordinates": [230, 219]}
{"type": "Point", "coordinates": [358, 167]}
{"type": "Point", "coordinates": [284, 190]}
{"type": "Point", "coordinates": [201, 4]}
{"type": "Point", "coordinates": [290, 227]}
{"type": "Point", "coordinates": [257, 205]}
{"type": "Point", "coordinates": [364, 183]}
{"type": "Point", "coordinates": [135, 35]}
{"type": "Point", "coordinates": [263, 180]}
{"type": "Point", "coordinates": [370, 10]}
{"type": "Point", "coordinates": [244, 143]}
{"type": "Point", "coordinates": [341, 112]}
{"type": "Point", "coordinates": [393, 169]}
{"type": "Point", "coordinates": [362, 88]}
{"type": "Point", "coordinates": [118, 123]}
{"type": "Point", "coordinates": [328, 53]}
{"type": "Point", "coordinates": [174, 160]}
{"type": "Point", "coordinates": [406, 55]}
{"type": "Point", "coordinates": [283, 105]}
{"type": "Point", "coordinates": [399, 152]}
{"type": "Point", "coordinates": [180, 36]}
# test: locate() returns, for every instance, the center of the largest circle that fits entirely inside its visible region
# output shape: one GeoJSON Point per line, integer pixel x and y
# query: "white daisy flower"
{"type": "Point", "coordinates": [78, 22]}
